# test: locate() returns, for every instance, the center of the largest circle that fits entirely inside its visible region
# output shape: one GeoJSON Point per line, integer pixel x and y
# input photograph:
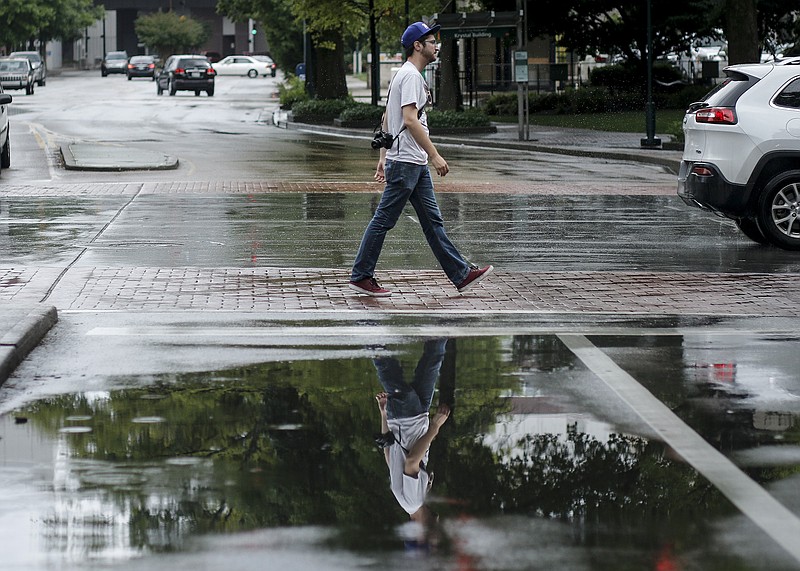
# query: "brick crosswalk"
{"type": "Point", "coordinates": [292, 289]}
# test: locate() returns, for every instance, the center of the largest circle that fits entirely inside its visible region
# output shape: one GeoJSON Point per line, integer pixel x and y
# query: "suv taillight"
{"type": "Point", "coordinates": [717, 115]}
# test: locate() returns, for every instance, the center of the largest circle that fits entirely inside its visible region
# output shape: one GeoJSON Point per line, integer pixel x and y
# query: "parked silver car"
{"type": "Point", "coordinates": [38, 64]}
{"type": "Point", "coordinates": [17, 74]}
{"type": "Point", "coordinates": [5, 139]}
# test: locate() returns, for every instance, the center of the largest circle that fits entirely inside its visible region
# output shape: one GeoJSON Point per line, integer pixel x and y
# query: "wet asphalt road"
{"type": "Point", "coordinates": [182, 438]}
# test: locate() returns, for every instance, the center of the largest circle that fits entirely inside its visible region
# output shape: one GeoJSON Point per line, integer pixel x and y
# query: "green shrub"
{"type": "Point", "coordinates": [675, 128]}
{"type": "Point", "coordinates": [501, 104]}
{"type": "Point", "coordinates": [319, 110]}
{"type": "Point", "coordinates": [595, 100]}
{"type": "Point", "coordinates": [290, 91]}
{"type": "Point", "coordinates": [362, 112]}
{"type": "Point", "coordinates": [450, 119]}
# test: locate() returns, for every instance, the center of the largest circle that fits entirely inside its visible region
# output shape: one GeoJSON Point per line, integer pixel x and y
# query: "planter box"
{"type": "Point", "coordinates": [672, 146]}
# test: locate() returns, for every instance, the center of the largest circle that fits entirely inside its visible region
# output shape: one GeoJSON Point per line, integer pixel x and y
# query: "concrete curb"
{"type": "Point", "coordinates": [23, 337]}
{"type": "Point", "coordinates": [610, 154]}
{"type": "Point", "coordinates": [103, 157]}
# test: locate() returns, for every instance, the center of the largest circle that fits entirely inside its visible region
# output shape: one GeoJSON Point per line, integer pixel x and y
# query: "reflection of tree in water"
{"type": "Point", "coordinates": [278, 444]}
{"type": "Point", "coordinates": [578, 474]}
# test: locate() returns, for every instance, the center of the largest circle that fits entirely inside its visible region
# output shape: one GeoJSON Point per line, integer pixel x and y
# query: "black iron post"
{"type": "Point", "coordinates": [374, 68]}
{"type": "Point", "coordinates": [651, 141]}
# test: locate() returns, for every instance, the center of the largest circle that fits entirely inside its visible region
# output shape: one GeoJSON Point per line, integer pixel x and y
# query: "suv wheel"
{"type": "Point", "coordinates": [749, 227]}
{"type": "Point", "coordinates": [5, 154]}
{"type": "Point", "coordinates": [779, 210]}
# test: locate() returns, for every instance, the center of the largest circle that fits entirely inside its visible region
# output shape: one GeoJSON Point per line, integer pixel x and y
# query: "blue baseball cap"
{"type": "Point", "coordinates": [416, 31]}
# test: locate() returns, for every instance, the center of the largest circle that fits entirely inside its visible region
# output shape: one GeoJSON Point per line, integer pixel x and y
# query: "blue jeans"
{"type": "Point", "coordinates": [408, 182]}
{"type": "Point", "coordinates": [410, 400]}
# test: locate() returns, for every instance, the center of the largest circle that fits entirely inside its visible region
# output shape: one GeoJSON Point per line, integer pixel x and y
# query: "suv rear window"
{"type": "Point", "coordinates": [195, 62]}
{"type": "Point", "coordinates": [727, 93]}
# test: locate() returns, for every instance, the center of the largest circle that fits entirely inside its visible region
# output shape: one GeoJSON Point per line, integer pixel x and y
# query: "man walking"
{"type": "Point", "coordinates": [404, 170]}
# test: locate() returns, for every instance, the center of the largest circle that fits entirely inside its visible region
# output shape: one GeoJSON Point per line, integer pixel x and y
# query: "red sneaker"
{"type": "Point", "coordinates": [369, 286]}
{"type": "Point", "coordinates": [475, 275]}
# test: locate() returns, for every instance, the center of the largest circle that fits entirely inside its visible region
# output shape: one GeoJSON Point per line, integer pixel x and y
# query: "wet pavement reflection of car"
{"type": "Point", "coordinates": [280, 456]}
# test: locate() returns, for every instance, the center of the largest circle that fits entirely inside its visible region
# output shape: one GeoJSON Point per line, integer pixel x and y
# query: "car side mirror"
{"type": "Point", "coordinates": [5, 99]}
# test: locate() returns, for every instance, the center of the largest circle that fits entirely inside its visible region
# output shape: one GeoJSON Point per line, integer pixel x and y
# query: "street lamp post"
{"type": "Point", "coordinates": [651, 141]}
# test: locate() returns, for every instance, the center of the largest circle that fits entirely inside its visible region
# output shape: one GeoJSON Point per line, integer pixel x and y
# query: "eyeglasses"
{"type": "Point", "coordinates": [428, 42]}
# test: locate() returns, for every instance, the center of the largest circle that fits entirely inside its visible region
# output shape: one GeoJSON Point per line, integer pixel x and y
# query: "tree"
{"type": "Point", "coordinates": [168, 33]}
{"type": "Point", "coordinates": [284, 34]}
{"type": "Point", "coordinates": [741, 30]}
{"type": "Point", "coordinates": [331, 25]}
{"type": "Point", "coordinates": [45, 20]}
{"type": "Point", "coordinates": [70, 19]}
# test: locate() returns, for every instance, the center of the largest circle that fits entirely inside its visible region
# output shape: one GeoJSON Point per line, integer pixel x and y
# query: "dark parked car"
{"type": "Point", "coordinates": [186, 73]}
{"type": "Point", "coordinates": [114, 62]}
{"type": "Point", "coordinates": [141, 66]}
{"type": "Point", "coordinates": [5, 140]}
{"type": "Point", "coordinates": [38, 64]}
{"type": "Point", "coordinates": [17, 74]}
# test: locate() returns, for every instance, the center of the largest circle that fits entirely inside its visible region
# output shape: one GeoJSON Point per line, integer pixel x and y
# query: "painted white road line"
{"type": "Point", "coordinates": [751, 499]}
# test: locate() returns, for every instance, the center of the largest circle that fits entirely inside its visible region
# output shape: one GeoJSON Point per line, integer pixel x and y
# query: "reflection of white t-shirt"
{"type": "Point", "coordinates": [408, 87]}
{"type": "Point", "coordinates": [409, 491]}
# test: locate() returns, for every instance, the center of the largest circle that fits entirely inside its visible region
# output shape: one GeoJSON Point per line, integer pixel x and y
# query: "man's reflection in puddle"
{"type": "Point", "coordinates": [408, 429]}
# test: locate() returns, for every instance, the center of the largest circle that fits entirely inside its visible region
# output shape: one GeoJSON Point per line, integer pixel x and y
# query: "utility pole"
{"type": "Point", "coordinates": [521, 73]}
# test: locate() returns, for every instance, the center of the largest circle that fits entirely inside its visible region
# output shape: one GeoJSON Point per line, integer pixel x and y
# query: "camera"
{"type": "Point", "coordinates": [382, 139]}
{"type": "Point", "coordinates": [384, 440]}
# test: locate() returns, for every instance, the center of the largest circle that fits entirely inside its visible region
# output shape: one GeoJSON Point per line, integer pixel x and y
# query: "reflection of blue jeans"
{"type": "Point", "coordinates": [408, 182]}
{"type": "Point", "coordinates": [407, 401]}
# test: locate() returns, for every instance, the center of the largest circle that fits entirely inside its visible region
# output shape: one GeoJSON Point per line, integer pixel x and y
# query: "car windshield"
{"type": "Point", "coordinates": [13, 66]}
{"type": "Point", "coordinates": [116, 56]}
{"type": "Point", "coordinates": [31, 57]}
{"type": "Point", "coordinates": [141, 59]}
{"type": "Point", "coordinates": [193, 63]}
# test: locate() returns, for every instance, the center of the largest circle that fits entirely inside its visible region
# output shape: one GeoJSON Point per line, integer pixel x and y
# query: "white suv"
{"type": "Point", "coordinates": [742, 153]}
{"type": "Point", "coordinates": [5, 138]}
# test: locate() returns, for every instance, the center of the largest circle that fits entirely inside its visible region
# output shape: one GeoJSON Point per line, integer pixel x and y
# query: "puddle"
{"type": "Point", "coordinates": [279, 461]}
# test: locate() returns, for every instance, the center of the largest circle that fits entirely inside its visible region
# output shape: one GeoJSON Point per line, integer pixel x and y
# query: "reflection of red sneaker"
{"type": "Point", "coordinates": [370, 286]}
{"type": "Point", "coordinates": [474, 276]}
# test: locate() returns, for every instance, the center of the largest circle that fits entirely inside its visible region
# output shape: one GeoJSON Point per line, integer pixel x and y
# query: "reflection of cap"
{"type": "Point", "coordinates": [416, 31]}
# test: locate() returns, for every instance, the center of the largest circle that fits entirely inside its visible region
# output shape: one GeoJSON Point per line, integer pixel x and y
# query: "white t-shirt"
{"type": "Point", "coordinates": [410, 491]}
{"type": "Point", "coordinates": [408, 87]}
